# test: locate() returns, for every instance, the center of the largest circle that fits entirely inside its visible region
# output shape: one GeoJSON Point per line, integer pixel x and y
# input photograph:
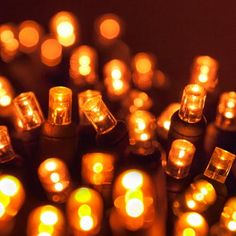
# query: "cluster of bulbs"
{"type": "Point", "coordinates": [121, 165]}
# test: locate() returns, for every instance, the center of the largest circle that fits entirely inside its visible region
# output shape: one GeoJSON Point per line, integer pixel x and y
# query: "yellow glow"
{"type": "Point", "coordinates": [203, 78]}
{"type": "Point", "coordinates": [65, 29]}
{"type": "Point", "coordinates": [5, 100]}
{"type": "Point", "coordinates": [116, 74]}
{"type": "Point", "coordinates": [84, 60]}
{"type": "Point", "coordinates": [12, 45]}
{"type": "Point", "coordinates": [44, 234]}
{"type": "Point", "coordinates": [50, 165]}
{"type": "Point", "coordinates": [84, 210]}
{"type": "Point", "coordinates": [191, 204]}
{"type": "Point", "coordinates": [86, 223]}
{"type": "Point", "coordinates": [84, 70]}
{"type": "Point", "coordinates": [143, 65]}
{"type": "Point", "coordinates": [194, 219]}
{"type": "Point", "coordinates": [189, 232]}
{"type": "Point", "coordinates": [45, 228]}
{"type": "Point", "coordinates": [134, 207]}
{"type": "Point", "coordinates": [58, 187]}
{"type": "Point", "coordinates": [2, 210]}
{"type": "Point", "coordinates": [29, 35]}
{"type": "Point", "coordinates": [166, 124]}
{"type": "Point", "coordinates": [110, 28]}
{"type": "Point", "coordinates": [9, 186]}
{"type": "Point", "coordinates": [232, 225]}
{"type": "Point", "coordinates": [49, 217]}
{"type": "Point", "coordinates": [98, 167]}
{"type": "Point", "coordinates": [83, 195]}
{"type": "Point", "coordinates": [132, 180]}
{"type": "Point", "coordinates": [6, 35]}
{"type": "Point", "coordinates": [55, 177]}
{"type": "Point", "coordinates": [229, 114]}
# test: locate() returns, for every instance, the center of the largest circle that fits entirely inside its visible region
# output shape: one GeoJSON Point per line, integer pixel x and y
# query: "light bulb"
{"type": "Point", "coordinates": [98, 168]}
{"type": "Point", "coordinates": [51, 52]}
{"type": "Point", "coordinates": [6, 92]}
{"type": "Point", "coordinates": [46, 220]}
{"type": "Point", "coordinates": [108, 28]}
{"type": "Point", "coordinates": [133, 199]}
{"type": "Point", "coordinates": [98, 114]}
{"type": "Point", "coordinates": [192, 103]}
{"type": "Point", "coordinates": [180, 158]}
{"type": "Point", "coordinates": [228, 216]}
{"type": "Point", "coordinates": [30, 33]}
{"type": "Point", "coordinates": [8, 41]}
{"type": "Point", "coordinates": [117, 78]}
{"type": "Point", "coordinates": [84, 211]}
{"type": "Point", "coordinates": [82, 98]}
{"type": "Point", "coordinates": [219, 165]}
{"type": "Point", "coordinates": [204, 72]}
{"type": "Point", "coordinates": [28, 111]}
{"type": "Point", "coordinates": [226, 113]}
{"type": "Point", "coordinates": [191, 224]}
{"type": "Point", "coordinates": [12, 197]}
{"type": "Point", "coordinates": [143, 70]}
{"type": "Point", "coordinates": [60, 105]}
{"type": "Point", "coordinates": [6, 150]}
{"type": "Point", "coordinates": [200, 195]}
{"type": "Point", "coordinates": [83, 63]}
{"type": "Point", "coordinates": [55, 178]}
{"type": "Point", "coordinates": [64, 26]}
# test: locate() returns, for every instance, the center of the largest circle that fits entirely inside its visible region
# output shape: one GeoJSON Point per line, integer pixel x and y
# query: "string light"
{"type": "Point", "coordinates": [6, 92]}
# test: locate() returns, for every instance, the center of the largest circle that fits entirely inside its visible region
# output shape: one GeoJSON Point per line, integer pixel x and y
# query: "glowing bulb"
{"type": "Point", "coordinates": [132, 180]}
{"type": "Point", "coordinates": [192, 103]}
{"type": "Point", "coordinates": [219, 165]}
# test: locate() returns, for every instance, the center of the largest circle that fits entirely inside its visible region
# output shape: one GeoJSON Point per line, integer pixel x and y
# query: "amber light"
{"type": "Point", "coordinates": [192, 103]}
{"type": "Point", "coordinates": [98, 168]}
{"type": "Point", "coordinates": [226, 113]}
{"type": "Point", "coordinates": [85, 211]}
{"type": "Point", "coordinates": [143, 70]}
{"type": "Point", "coordinates": [51, 52]}
{"type": "Point", "coordinates": [164, 120]}
{"type": "Point", "coordinates": [204, 72]}
{"type": "Point", "coordinates": [29, 35]}
{"type": "Point", "coordinates": [219, 165]}
{"type": "Point", "coordinates": [133, 199]}
{"type": "Point", "coordinates": [117, 78]}
{"type": "Point", "coordinates": [46, 220]}
{"type": "Point", "coordinates": [9, 43]}
{"type": "Point", "coordinates": [200, 195]}
{"type": "Point", "coordinates": [60, 105]}
{"type": "Point", "coordinates": [191, 224]}
{"type": "Point", "coordinates": [6, 150]}
{"type": "Point", "coordinates": [28, 112]}
{"type": "Point", "coordinates": [6, 92]}
{"type": "Point", "coordinates": [108, 27]}
{"type": "Point", "coordinates": [12, 197]}
{"type": "Point", "coordinates": [64, 26]}
{"type": "Point", "coordinates": [55, 178]}
{"type": "Point", "coordinates": [228, 216]}
{"type": "Point", "coordinates": [180, 158]}
{"type": "Point", "coordinates": [83, 65]}
{"type": "Point", "coordinates": [99, 115]}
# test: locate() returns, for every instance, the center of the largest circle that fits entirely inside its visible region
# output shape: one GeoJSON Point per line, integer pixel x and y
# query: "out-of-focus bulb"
{"type": "Point", "coordinates": [29, 35]}
{"type": "Point", "coordinates": [55, 178]}
{"type": "Point", "coordinates": [180, 158]}
{"type": "Point", "coordinates": [84, 210]}
{"type": "Point", "coordinates": [108, 28]}
{"type": "Point", "coordinates": [12, 197]}
{"type": "Point", "coordinates": [51, 52]}
{"type": "Point", "coordinates": [204, 72]}
{"type": "Point", "coordinates": [137, 100]}
{"type": "Point", "coordinates": [164, 120]}
{"type": "Point", "coordinates": [98, 114]}
{"type": "Point", "coordinates": [219, 165]}
{"type": "Point", "coordinates": [192, 103]}
{"type": "Point", "coordinates": [117, 78]}
{"type": "Point", "coordinates": [6, 92]}
{"type": "Point", "coordinates": [6, 151]}
{"type": "Point", "coordinates": [28, 111]}
{"type": "Point", "coordinates": [64, 26]}
{"type": "Point", "coordinates": [228, 216]}
{"type": "Point", "coordinates": [200, 195]}
{"type": "Point", "coordinates": [98, 168]}
{"type": "Point", "coordinates": [133, 199]}
{"type": "Point", "coordinates": [143, 70]}
{"type": "Point", "coordinates": [83, 63]}
{"type": "Point", "coordinates": [82, 98]}
{"type": "Point", "coordinates": [60, 105]}
{"type": "Point", "coordinates": [8, 42]}
{"type": "Point", "coordinates": [46, 220]}
{"type": "Point", "coordinates": [226, 114]}
{"type": "Point", "coordinates": [191, 224]}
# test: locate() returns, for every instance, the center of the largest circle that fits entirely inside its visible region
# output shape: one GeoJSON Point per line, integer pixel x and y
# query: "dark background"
{"type": "Point", "coordinates": [176, 31]}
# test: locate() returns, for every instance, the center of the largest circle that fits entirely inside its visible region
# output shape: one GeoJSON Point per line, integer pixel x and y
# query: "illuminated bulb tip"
{"type": "Point", "coordinates": [132, 180]}
{"type": "Point", "coordinates": [86, 223]}
{"type": "Point", "coordinates": [9, 186]}
{"type": "Point", "coordinates": [49, 217]}
{"type": "Point", "coordinates": [134, 207]}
